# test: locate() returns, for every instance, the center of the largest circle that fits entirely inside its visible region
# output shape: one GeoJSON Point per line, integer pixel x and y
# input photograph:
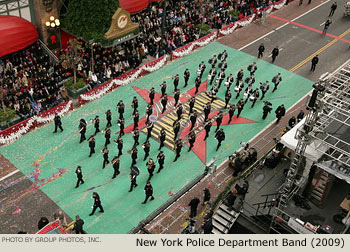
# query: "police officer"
{"type": "Point", "coordinates": [176, 127]}
{"type": "Point", "coordinates": [146, 147]}
{"type": "Point", "coordinates": [134, 104]}
{"type": "Point", "coordinates": [116, 164]}
{"type": "Point", "coordinates": [176, 96]}
{"type": "Point", "coordinates": [197, 84]}
{"type": "Point", "coordinates": [109, 118]}
{"type": "Point", "coordinates": [134, 152]}
{"type": "Point", "coordinates": [240, 75]}
{"type": "Point", "coordinates": [186, 76]}
{"type": "Point", "coordinates": [228, 96]}
{"type": "Point", "coordinates": [151, 96]}
{"type": "Point", "coordinates": [207, 127]}
{"type": "Point", "coordinates": [121, 123]}
{"type": "Point", "coordinates": [58, 123]}
{"type": "Point", "coordinates": [107, 136]}
{"type": "Point", "coordinates": [97, 203]}
{"type": "Point", "coordinates": [264, 88]}
{"type": "Point", "coordinates": [176, 81]}
{"type": "Point", "coordinates": [193, 119]}
{"type": "Point", "coordinates": [150, 168]}
{"type": "Point", "coordinates": [207, 108]}
{"type": "Point", "coordinates": [79, 176]}
{"type": "Point", "coordinates": [266, 109]}
{"type": "Point", "coordinates": [177, 147]}
{"type": "Point", "coordinates": [231, 112]}
{"type": "Point", "coordinates": [275, 53]}
{"type": "Point", "coordinates": [191, 139]}
{"type": "Point", "coordinates": [121, 108]}
{"type": "Point", "coordinates": [192, 101]}
{"type": "Point", "coordinates": [149, 127]}
{"type": "Point", "coordinates": [163, 88]}
{"type": "Point", "coordinates": [92, 143]}
{"type": "Point", "coordinates": [212, 74]}
{"type": "Point", "coordinates": [149, 112]}
{"type": "Point", "coordinates": [97, 124]}
{"type": "Point", "coordinates": [148, 191]}
{"type": "Point", "coordinates": [280, 112]}
{"type": "Point", "coordinates": [136, 136]}
{"type": "Point", "coordinates": [218, 121]}
{"type": "Point", "coordinates": [105, 152]}
{"type": "Point", "coordinates": [220, 136]}
{"type": "Point", "coordinates": [136, 117]}
{"type": "Point", "coordinates": [162, 137]}
{"type": "Point", "coordinates": [179, 111]}
{"type": "Point", "coordinates": [240, 106]}
{"type": "Point", "coordinates": [119, 142]}
{"type": "Point", "coordinates": [82, 129]}
{"type": "Point", "coordinates": [161, 159]}
{"type": "Point", "coordinates": [276, 80]}
{"type": "Point", "coordinates": [261, 50]}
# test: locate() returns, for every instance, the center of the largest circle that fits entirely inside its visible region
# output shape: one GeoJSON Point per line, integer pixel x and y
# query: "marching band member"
{"type": "Point", "coordinates": [109, 118]}
{"type": "Point", "coordinates": [276, 80]}
{"type": "Point", "coordinates": [247, 92]}
{"type": "Point", "coordinates": [201, 69]}
{"type": "Point", "coordinates": [220, 77]}
{"type": "Point", "coordinates": [163, 88]}
{"type": "Point", "coordinates": [223, 55]}
{"type": "Point", "coordinates": [97, 124]}
{"type": "Point", "coordinates": [240, 75]}
{"type": "Point", "coordinates": [229, 81]}
{"type": "Point", "coordinates": [91, 142]}
{"type": "Point", "coordinates": [105, 152]}
{"type": "Point", "coordinates": [134, 104]}
{"type": "Point", "coordinates": [228, 96]}
{"type": "Point", "coordinates": [186, 76]}
{"type": "Point", "coordinates": [211, 75]}
{"type": "Point", "coordinates": [116, 164]}
{"type": "Point", "coordinates": [120, 108]}
{"type": "Point", "coordinates": [82, 129]}
{"type": "Point", "coordinates": [252, 68]}
{"type": "Point", "coordinates": [107, 133]}
{"type": "Point", "coordinates": [238, 88]}
{"type": "Point", "coordinates": [231, 112]}
{"type": "Point", "coordinates": [213, 61]}
{"type": "Point", "coordinates": [264, 87]}
{"type": "Point", "coordinates": [176, 79]}
{"type": "Point", "coordinates": [254, 97]}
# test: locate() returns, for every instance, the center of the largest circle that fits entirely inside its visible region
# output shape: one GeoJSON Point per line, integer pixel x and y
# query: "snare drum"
{"type": "Point", "coordinates": [199, 71]}
{"type": "Point", "coordinates": [226, 83]}
{"type": "Point", "coordinates": [237, 89]}
{"type": "Point", "coordinates": [252, 98]}
{"type": "Point", "coordinates": [209, 77]}
{"type": "Point", "coordinates": [245, 95]}
{"type": "Point", "coordinates": [217, 80]}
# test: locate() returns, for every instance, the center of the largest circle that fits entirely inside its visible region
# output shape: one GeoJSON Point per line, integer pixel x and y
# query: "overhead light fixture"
{"type": "Point", "coordinates": [47, 23]}
{"type": "Point", "coordinates": [52, 18]}
{"type": "Point", "coordinates": [57, 22]}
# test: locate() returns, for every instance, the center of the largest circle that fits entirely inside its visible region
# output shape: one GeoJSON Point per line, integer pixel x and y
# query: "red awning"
{"type": "Point", "coordinates": [133, 6]}
{"type": "Point", "coordinates": [15, 34]}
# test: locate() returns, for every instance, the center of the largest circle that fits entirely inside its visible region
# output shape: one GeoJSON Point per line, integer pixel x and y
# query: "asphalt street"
{"type": "Point", "coordinates": [298, 41]}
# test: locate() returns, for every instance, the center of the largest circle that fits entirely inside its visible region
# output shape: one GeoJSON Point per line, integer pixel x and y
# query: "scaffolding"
{"type": "Point", "coordinates": [327, 124]}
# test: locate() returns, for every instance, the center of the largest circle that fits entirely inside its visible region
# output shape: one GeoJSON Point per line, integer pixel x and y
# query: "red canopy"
{"type": "Point", "coordinates": [15, 34]}
{"type": "Point", "coordinates": [133, 6]}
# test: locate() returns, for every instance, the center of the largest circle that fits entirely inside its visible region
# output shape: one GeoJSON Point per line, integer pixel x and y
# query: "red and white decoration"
{"type": "Point", "coordinates": [14, 132]}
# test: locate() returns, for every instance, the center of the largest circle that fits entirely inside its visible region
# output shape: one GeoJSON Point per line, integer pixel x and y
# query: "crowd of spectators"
{"type": "Point", "coordinates": [29, 82]}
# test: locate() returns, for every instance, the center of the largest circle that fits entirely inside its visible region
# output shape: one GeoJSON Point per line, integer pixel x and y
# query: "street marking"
{"type": "Point", "coordinates": [318, 52]}
{"type": "Point", "coordinates": [9, 175]}
{"type": "Point", "coordinates": [279, 51]}
{"type": "Point", "coordinates": [322, 23]}
{"type": "Point", "coordinates": [280, 27]}
{"type": "Point", "coordinates": [310, 28]}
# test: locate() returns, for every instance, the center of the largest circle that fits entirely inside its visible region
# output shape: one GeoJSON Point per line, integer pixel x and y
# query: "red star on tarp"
{"type": "Point", "coordinates": [199, 147]}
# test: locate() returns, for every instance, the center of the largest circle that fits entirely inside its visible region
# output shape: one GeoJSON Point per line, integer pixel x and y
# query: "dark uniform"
{"type": "Point", "coordinates": [105, 152]}
{"type": "Point", "coordinates": [136, 117]}
{"type": "Point", "coordinates": [133, 181]}
{"type": "Point", "coordinates": [193, 119]}
{"type": "Point", "coordinates": [78, 226]}
{"type": "Point", "coordinates": [162, 137]}
{"type": "Point", "coordinates": [240, 75]}
{"type": "Point", "coordinates": [275, 53]}
{"type": "Point", "coordinates": [231, 112]}
{"type": "Point", "coordinates": [82, 129]}
{"type": "Point", "coordinates": [97, 124]}
{"type": "Point", "coordinates": [176, 127]}
{"type": "Point", "coordinates": [150, 168]}
{"type": "Point", "coordinates": [92, 144]}
{"type": "Point", "coordinates": [252, 68]}
{"type": "Point", "coordinates": [176, 96]}
{"type": "Point", "coordinates": [134, 104]}
{"type": "Point", "coordinates": [229, 81]}
{"type": "Point", "coordinates": [107, 136]}
{"type": "Point", "coordinates": [186, 76]}
{"type": "Point", "coordinates": [146, 147]}
{"type": "Point", "coordinates": [238, 88]}
{"type": "Point", "coordinates": [276, 80]}
{"type": "Point", "coordinates": [207, 127]}
{"type": "Point", "coordinates": [191, 103]}
{"type": "Point", "coordinates": [160, 158]}
{"type": "Point", "coordinates": [197, 83]}
{"type": "Point", "coordinates": [97, 203]}
{"type": "Point", "coordinates": [121, 124]}
{"type": "Point", "coordinates": [164, 101]}
{"type": "Point", "coordinates": [207, 109]}
{"type": "Point", "coordinates": [134, 152]}
{"type": "Point", "coordinates": [121, 108]}
{"type": "Point", "coordinates": [116, 164]}
{"type": "Point", "coordinates": [261, 51]}
{"type": "Point", "coordinates": [218, 121]}
{"type": "Point", "coordinates": [280, 112]}
{"type": "Point", "coordinates": [228, 96]}
{"type": "Point", "coordinates": [149, 127]}
{"type": "Point", "coordinates": [163, 88]}
{"type": "Point", "coordinates": [58, 123]}
{"type": "Point", "coordinates": [213, 61]}
{"type": "Point", "coordinates": [314, 62]}
{"type": "Point", "coordinates": [266, 109]}
{"type": "Point", "coordinates": [191, 140]}
{"type": "Point", "coordinates": [176, 82]}
{"type": "Point", "coordinates": [178, 147]}
{"type": "Point", "coordinates": [221, 77]}
{"type": "Point", "coordinates": [151, 96]}
{"type": "Point", "coordinates": [149, 112]}
{"type": "Point", "coordinates": [220, 136]}
{"type": "Point", "coordinates": [148, 191]}
{"type": "Point", "coordinates": [79, 176]}
{"type": "Point", "coordinates": [136, 136]}
{"type": "Point", "coordinates": [240, 106]}
{"type": "Point", "coordinates": [201, 68]}
{"type": "Point", "coordinates": [255, 95]}
{"type": "Point", "coordinates": [109, 118]}
{"type": "Point", "coordinates": [119, 142]}
{"type": "Point", "coordinates": [179, 112]}
{"type": "Point", "coordinates": [193, 205]}
{"type": "Point", "coordinates": [212, 74]}
{"type": "Point", "coordinates": [264, 87]}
